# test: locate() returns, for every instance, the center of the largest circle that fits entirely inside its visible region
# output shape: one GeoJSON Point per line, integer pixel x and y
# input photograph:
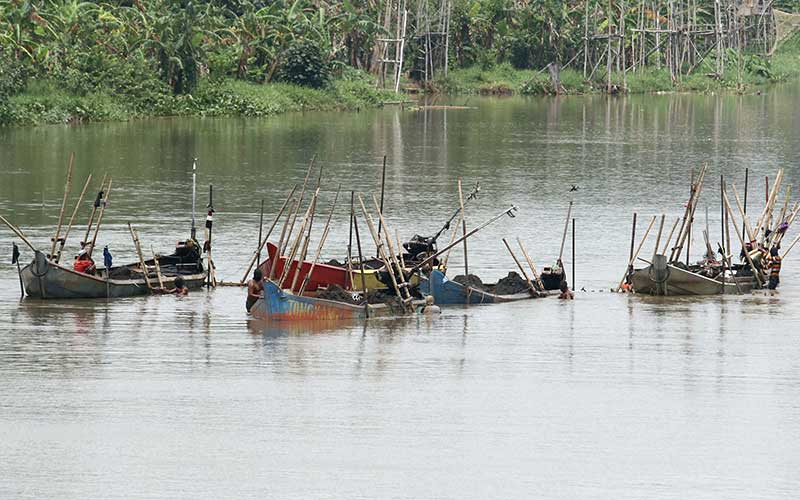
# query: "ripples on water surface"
{"type": "Point", "coordinates": [605, 397]}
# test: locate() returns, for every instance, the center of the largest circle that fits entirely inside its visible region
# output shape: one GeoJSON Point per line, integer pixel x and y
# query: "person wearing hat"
{"type": "Point", "coordinates": [83, 261]}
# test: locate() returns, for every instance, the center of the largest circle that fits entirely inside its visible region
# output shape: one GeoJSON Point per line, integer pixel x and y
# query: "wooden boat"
{"type": "Point", "coordinates": [44, 279]}
{"type": "Point", "coordinates": [324, 275]}
{"type": "Point", "coordinates": [448, 292]}
{"type": "Point", "coordinates": [282, 305]}
{"type": "Point", "coordinates": [662, 278]}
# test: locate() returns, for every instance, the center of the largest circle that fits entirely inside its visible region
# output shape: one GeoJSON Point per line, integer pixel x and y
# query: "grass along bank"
{"type": "Point", "coordinates": [46, 102]}
{"type": "Point", "coordinates": [503, 79]}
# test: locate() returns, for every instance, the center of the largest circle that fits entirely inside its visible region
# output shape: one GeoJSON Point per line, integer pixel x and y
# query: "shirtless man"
{"type": "Point", "coordinates": [255, 288]}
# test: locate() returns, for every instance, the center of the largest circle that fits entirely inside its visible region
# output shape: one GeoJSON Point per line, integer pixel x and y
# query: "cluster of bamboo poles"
{"type": "Point", "coordinates": [768, 231]}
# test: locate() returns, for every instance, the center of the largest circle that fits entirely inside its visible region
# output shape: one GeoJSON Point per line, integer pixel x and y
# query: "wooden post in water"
{"type": "Point", "coordinates": [463, 226]}
{"type": "Point", "coordinates": [67, 188]}
{"type": "Point", "coordinates": [257, 256]}
{"type": "Point", "coordinates": [100, 217]}
{"type": "Point", "coordinates": [72, 218]}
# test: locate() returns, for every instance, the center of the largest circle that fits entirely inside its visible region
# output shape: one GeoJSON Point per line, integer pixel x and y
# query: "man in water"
{"type": "Point", "coordinates": [180, 288]}
{"type": "Point", "coordinates": [255, 288]}
{"type": "Point", "coordinates": [774, 268]}
{"type": "Point", "coordinates": [430, 307]}
{"type": "Point", "coordinates": [566, 293]}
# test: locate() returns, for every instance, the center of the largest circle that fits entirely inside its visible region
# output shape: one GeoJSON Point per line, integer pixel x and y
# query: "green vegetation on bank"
{"type": "Point", "coordinates": [66, 61]}
{"type": "Point", "coordinates": [504, 79]}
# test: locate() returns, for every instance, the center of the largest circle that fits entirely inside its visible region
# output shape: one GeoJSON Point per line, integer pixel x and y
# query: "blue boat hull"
{"type": "Point", "coordinates": [447, 292]}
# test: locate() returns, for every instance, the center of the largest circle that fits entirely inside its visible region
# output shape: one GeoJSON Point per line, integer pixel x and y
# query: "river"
{"type": "Point", "coordinates": [608, 396]}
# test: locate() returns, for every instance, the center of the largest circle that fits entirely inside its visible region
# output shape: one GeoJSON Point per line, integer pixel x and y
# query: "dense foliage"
{"type": "Point", "coordinates": [162, 56]}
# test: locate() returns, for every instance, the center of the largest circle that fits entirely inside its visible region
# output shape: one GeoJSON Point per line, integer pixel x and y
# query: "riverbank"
{"type": "Point", "coordinates": [503, 79]}
{"type": "Point", "coordinates": [45, 102]}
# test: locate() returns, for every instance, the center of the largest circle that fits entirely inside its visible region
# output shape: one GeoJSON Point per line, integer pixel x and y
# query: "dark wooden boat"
{"type": "Point", "coordinates": [44, 279]}
{"type": "Point", "coordinates": [552, 278]}
{"type": "Point", "coordinates": [449, 292]}
{"type": "Point", "coordinates": [282, 305]}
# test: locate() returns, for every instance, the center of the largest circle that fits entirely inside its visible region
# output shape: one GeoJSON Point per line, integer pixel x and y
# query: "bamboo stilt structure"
{"type": "Point", "coordinates": [100, 218]}
{"type": "Point", "coordinates": [263, 242]}
{"type": "Point", "coordinates": [67, 188]}
{"type": "Point", "coordinates": [636, 253]}
{"type": "Point", "coordinates": [72, 219]}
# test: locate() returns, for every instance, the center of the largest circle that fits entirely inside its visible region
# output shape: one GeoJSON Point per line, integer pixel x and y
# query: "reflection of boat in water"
{"type": "Point", "coordinates": [662, 278]}
{"type": "Point", "coordinates": [448, 292]}
{"type": "Point", "coordinates": [281, 305]}
{"type": "Point", "coordinates": [46, 279]}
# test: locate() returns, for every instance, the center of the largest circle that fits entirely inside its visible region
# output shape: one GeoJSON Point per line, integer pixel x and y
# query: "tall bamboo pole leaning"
{"type": "Point", "coordinates": [669, 237]}
{"type": "Point", "coordinates": [350, 242]}
{"type": "Point", "coordinates": [304, 249]}
{"type": "Point", "coordinates": [137, 245]}
{"type": "Point", "coordinates": [278, 254]}
{"type": "Point", "coordinates": [321, 244]}
{"type": "Point", "coordinates": [360, 260]}
{"type": "Point", "coordinates": [406, 296]}
{"type": "Point", "coordinates": [675, 253]}
{"type": "Point", "coordinates": [72, 218]}
{"type": "Point", "coordinates": [463, 226]}
{"type": "Point", "coordinates": [296, 210]}
{"type": "Point", "coordinates": [531, 264]}
{"type": "Point", "coordinates": [67, 188]}
{"type": "Point", "coordinates": [658, 237]}
{"type": "Point", "coordinates": [263, 241]}
{"type": "Point", "coordinates": [636, 253]}
{"type": "Point", "coordinates": [100, 217]}
{"type": "Point", "coordinates": [381, 250]}
{"type": "Point", "coordinates": [453, 237]}
{"type": "Point", "coordinates": [95, 206]}
{"type": "Point", "coordinates": [19, 233]}
{"type": "Point", "coordinates": [691, 210]}
{"type": "Point", "coordinates": [742, 211]}
{"type": "Point", "coordinates": [531, 288]}
{"type": "Point", "coordinates": [287, 266]}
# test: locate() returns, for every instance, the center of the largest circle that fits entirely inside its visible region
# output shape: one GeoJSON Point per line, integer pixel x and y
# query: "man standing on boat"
{"type": "Point", "coordinates": [255, 288]}
{"type": "Point", "coordinates": [774, 268]}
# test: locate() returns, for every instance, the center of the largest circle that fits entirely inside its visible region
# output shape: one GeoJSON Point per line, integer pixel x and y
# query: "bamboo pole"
{"type": "Point", "coordinates": [296, 210]}
{"type": "Point", "coordinates": [509, 211]}
{"type": "Point", "coordinates": [756, 272]}
{"type": "Point", "coordinates": [383, 190]}
{"type": "Point", "coordinates": [306, 242]}
{"type": "Point", "coordinates": [453, 237]}
{"type": "Point", "coordinates": [531, 288]}
{"type": "Point", "coordinates": [393, 254]}
{"type": "Point", "coordinates": [95, 205]}
{"type": "Point", "coordinates": [771, 199]}
{"type": "Point", "coordinates": [531, 264]}
{"type": "Point", "coordinates": [158, 268]}
{"type": "Point", "coordinates": [791, 245]}
{"type": "Point", "coordinates": [669, 238]}
{"type": "Point", "coordinates": [658, 237]}
{"type": "Point", "coordinates": [381, 250]}
{"type": "Point", "coordinates": [263, 242]}
{"type": "Point", "coordinates": [19, 233]}
{"type": "Point", "coordinates": [691, 210]}
{"type": "Point", "coordinates": [360, 259]}
{"type": "Point", "coordinates": [350, 242]}
{"type": "Point", "coordinates": [67, 188]}
{"type": "Point", "coordinates": [72, 218]}
{"type": "Point", "coordinates": [463, 226]}
{"type": "Point", "coordinates": [564, 236]}
{"type": "Point", "coordinates": [636, 254]}
{"type": "Point", "coordinates": [745, 221]}
{"type": "Point", "coordinates": [137, 245]}
{"type": "Point", "coordinates": [324, 237]}
{"type": "Point", "coordinates": [278, 253]}
{"type": "Point", "coordinates": [290, 257]}
{"type": "Point", "coordinates": [100, 218]}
